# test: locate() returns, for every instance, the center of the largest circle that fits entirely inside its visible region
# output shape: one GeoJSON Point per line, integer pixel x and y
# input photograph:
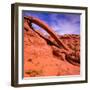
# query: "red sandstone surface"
{"type": "Point", "coordinates": [43, 57]}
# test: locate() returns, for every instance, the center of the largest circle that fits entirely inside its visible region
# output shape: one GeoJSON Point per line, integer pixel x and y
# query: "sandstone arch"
{"type": "Point", "coordinates": [47, 28]}
{"type": "Point", "coordinates": [67, 51]}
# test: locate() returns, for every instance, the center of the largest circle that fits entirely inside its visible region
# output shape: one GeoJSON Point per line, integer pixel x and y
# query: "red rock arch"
{"type": "Point", "coordinates": [47, 28]}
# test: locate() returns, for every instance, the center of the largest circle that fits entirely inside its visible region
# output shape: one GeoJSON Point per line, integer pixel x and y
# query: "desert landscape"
{"type": "Point", "coordinates": [49, 55]}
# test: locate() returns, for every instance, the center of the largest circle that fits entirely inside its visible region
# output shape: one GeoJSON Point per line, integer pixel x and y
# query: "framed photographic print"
{"type": "Point", "coordinates": [48, 44]}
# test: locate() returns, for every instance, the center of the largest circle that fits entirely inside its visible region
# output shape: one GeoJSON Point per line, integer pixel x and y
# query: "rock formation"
{"type": "Point", "coordinates": [53, 56]}
{"type": "Point", "coordinates": [37, 21]}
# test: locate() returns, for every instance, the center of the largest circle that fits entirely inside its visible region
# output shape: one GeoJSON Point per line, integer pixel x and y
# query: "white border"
{"type": "Point", "coordinates": [82, 48]}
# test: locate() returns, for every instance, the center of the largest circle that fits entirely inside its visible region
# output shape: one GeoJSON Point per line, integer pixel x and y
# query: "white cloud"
{"type": "Point", "coordinates": [68, 25]}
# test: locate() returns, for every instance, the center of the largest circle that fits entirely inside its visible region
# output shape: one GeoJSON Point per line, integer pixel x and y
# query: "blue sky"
{"type": "Point", "coordinates": [61, 23]}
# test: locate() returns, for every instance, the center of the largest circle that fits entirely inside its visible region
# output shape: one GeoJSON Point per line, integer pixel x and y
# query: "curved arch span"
{"type": "Point", "coordinates": [47, 28]}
